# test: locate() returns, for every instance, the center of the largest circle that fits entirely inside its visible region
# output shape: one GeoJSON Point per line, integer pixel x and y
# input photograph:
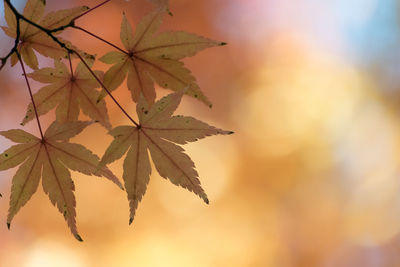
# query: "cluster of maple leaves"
{"type": "Point", "coordinates": [148, 57]}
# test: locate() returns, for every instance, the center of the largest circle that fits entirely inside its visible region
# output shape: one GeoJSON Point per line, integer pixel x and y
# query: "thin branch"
{"type": "Point", "coordinates": [101, 39]}
{"type": "Point", "coordinates": [72, 22]}
{"type": "Point", "coordinates": [90, 10]}
{"type": "Point", "coordinates": [105, 89]}
{"type": "Point", "coordinates": [49, 32]}
{"type": "Point", "coordinates": [30, 93]}
{"type": "Point", "coordinates": [61, 28]}
{"type": "Point", "coordinates": [19, 16]}
{"type": "Point", "coordinates": [70, 51]}
{"type": "Point", "coordinates": [70, 64]}
{"type": "Point", "coordinates": [15, 47]}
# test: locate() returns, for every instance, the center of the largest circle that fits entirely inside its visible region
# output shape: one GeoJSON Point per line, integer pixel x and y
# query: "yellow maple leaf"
{"type": "Point", "coordinates": [158, 132]}
{"type": "Point", "coordinates": [70, 92]}
{"type": "Point", "coordinates": [32, 38]}
{"type": "Point", "coordinates": [49, 158]}
{"type": "Point", "coordinates": [151, 57]}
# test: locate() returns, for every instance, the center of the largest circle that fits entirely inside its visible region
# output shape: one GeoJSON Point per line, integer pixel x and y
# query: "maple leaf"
{"type": "Point", "coordinates": [69, 92]}
{"type": "Point", "coordinates": [32, 38]}
{"type": "Point", "coordinates": [158, 132]}
{"type": "Point", "coordinates": [50, 159]}
{"type": "Point", "coordinates": [150, 57]}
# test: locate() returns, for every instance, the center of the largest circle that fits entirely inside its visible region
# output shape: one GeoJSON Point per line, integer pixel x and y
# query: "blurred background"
{"type": "Point", "coordinates": [311, 176]}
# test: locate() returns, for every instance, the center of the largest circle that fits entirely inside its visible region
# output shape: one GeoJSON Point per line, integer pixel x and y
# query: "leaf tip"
{"type": "Point", "coordinates": [222, 43]}
{"type": "Point", "coordinates": [210, 106]}
{"type": "Point", "coordinates": [79, 238]}
{"type": "Point", "coordinates": [207, 201]}
{"type": "Point", "coordinates": [231, 132]}
{"type": "Point", "coordinates": [130, 220]}
{"type": "Point", "coordinates": [8, 226]}
{"type": "Point", "coordinates": [3, 62]}
{"type": "Point", "coordinates": [1, 195]}
{"type": "Point", "coordinates": [100, 97]}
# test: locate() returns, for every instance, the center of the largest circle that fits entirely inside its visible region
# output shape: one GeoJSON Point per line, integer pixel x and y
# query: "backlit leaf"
{"type": "Point", "coordinates": [33, 38]}
{"type": "Point", "coordinates": [158, 132]}
{"type": "Point", "coordinates": [9, 16]}
{"type": "Point", "coordinates": [70, 93]}
{"type": "Point", "coordinates": [50, 159]}
{"type": "Point", "coordinates": [152, 57]}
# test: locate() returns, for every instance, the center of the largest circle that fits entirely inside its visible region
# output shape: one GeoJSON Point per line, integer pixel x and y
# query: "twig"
{"type": "Point", "coordinates": [108, 91]}
{"type": "Point", "coordinates": [68, 50]}
{"type": "Point", "coordinates": [90, 10]}
{"type": "Point", "coordinates": [70, 64]}
{"type": "Point", "coordinates": [30, 93]}
{"type": "Point", "coordinates": [15, 47]}
{"type": "Point", "coordinates": [101, 39]}
{"type": "Point", "coordinates": [72, 22]}
{"type": "Point", "coordinates": [49, 32]}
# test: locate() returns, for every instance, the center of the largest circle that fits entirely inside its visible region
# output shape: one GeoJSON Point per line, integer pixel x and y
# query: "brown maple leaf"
{"type": "Point", "coordinates": [69, 92]}
{"type": "Point", "coordinates": [49, 158]}
{"type": "Point", "coordinates": [151, 57]}
{"type": "Point", "coordinates": [158, 132]}
{"type": "Point", "coordinates": [32, 38]}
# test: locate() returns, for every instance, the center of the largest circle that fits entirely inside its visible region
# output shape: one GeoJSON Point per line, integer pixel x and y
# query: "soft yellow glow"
{"type": "Point", "coordinates": [49, 254]}
{"type": "Point", "coordinates": [370, 156]}
{"type": "Point", "coordinates": [293, 102]}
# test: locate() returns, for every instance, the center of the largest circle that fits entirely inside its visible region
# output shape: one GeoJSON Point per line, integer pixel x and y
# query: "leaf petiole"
{"type": "Point", "coordinates": [105, 89]}
{"type": "Point", "coordinates": [101, 39]}
{"type": "Point", "coordinates": [30, 93]}
{"type": "Point", "coordinates": [90, 10]}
